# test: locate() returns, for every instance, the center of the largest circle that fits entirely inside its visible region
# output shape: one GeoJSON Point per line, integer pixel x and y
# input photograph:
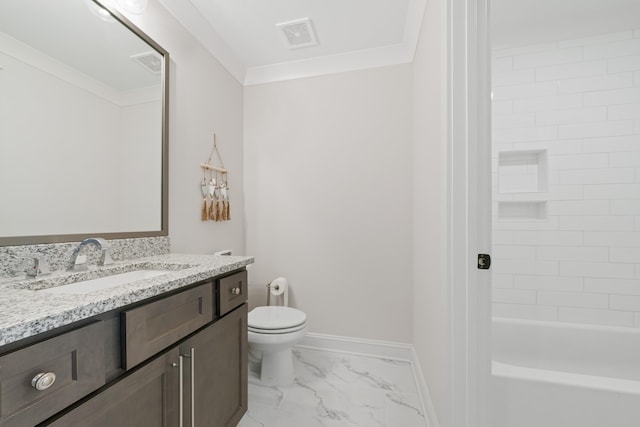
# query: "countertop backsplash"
{"type": "Point", "coordinates": [14, 260]}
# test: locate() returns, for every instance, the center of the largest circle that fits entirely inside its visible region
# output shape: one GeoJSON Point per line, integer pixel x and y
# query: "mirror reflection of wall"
{"type": "Point", "coordinates": [81, 113]}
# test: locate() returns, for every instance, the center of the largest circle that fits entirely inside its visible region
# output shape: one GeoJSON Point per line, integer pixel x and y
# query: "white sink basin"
{"type": "Point", "coordinates": [105, 282]}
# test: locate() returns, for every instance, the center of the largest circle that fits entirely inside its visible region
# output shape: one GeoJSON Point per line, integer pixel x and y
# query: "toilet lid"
{"type": "Point", "coordinates": [274, 317]}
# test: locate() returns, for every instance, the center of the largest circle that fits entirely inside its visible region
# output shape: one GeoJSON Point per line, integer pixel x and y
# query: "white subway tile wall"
{"type": "Point", "coordinates": [578, 103]}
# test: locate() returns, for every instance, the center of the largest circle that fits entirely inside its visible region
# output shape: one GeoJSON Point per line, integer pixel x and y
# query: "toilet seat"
{"type": "Point", "coordinates": [277, 331]}
{"type": "Point", "coordinates": [276, 320]}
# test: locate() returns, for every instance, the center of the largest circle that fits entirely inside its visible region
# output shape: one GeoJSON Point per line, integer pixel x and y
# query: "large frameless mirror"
{"type": "Point", "coordinates": [83, 124]}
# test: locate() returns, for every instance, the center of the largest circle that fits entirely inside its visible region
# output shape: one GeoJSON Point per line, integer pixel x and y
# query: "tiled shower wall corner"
{"type": "Point", "coordinates": [566, 145]}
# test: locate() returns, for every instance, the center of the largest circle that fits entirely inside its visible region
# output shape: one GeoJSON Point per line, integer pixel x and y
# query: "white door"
{"type": "Point", "coordinates": [469, 207]}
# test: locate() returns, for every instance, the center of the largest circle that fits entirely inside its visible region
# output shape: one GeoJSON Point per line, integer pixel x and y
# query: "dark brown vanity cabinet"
{"type": "Point", "coordinates": [180, 365]}
{"type": "Point", "coordinates": [231, 291]}
{"type": "Point", "coordinates": [148, 397]}
{"type": "Point", "coordinates": [155, 326]}
{"type": "Point", "coordinates": [200, 383]}
{"type": "Point", "coordinates": [216, 374]}
{"type": "Point", "coordinates": [42, 379]}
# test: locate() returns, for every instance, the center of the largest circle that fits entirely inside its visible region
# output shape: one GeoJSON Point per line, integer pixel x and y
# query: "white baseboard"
{"type": "Point", "coordinates": [381, 349]}
{"type": "Point", "coordinates": [384, 349]}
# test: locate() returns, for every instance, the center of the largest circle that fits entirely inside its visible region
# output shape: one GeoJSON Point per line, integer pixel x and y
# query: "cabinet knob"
{"type": "Point", "coordinates": [235, 291]}
{"type": "Point", "coordinates": [43, 381]}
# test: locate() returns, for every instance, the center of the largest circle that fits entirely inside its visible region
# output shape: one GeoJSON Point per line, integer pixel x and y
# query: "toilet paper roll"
{"type": "Point", "coordinates": [279, 286]}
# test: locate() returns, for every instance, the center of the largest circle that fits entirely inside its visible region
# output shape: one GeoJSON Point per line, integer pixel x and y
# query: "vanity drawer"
{"type": "Point", "coordinates": [231, 292]}
{"type": "Point", "coordinates": [157, 325]}
{"type": "Point", "coordinates": [76, 359]}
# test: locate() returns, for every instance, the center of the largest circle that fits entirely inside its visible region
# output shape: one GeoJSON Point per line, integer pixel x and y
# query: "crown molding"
{"type": "Point", "coordinates": [332, 64]}
{"type": "Point", "coordinates": [188, 15]}
{"type": "Point", "coordinates": [191, 19]}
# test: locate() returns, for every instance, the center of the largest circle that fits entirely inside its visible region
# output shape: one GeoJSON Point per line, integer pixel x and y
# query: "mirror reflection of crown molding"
{"type": "Point", "coordinates": [34, 58]}
{"type": "Point", "coordinates": [137, 7]}
{"type": "Point", "coordinates": [99, 11]}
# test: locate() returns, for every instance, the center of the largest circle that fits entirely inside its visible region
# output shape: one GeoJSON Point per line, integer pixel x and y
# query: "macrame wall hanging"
{"type": "Point", "coordinates": [215, 188]}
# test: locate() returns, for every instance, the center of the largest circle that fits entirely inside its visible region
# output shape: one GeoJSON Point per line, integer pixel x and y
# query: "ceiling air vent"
{"type": "Point", "coordinates": [298, 33]}
{"type": "Point", "coordinates": [151, 61]}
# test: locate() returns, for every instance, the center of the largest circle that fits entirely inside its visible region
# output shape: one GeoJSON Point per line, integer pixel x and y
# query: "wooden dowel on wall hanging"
{"type": "Point", "coordinates": [207, 166]}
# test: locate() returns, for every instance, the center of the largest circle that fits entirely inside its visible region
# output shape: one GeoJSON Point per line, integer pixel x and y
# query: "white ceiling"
{"type": "Point", "coordinates": [352, 34]}
{"type": "Point", "coordinates": [357, 34]}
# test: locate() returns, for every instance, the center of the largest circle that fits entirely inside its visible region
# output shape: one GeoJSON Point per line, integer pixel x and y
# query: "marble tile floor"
{"type": "Point", "coordinates": [338, 390]}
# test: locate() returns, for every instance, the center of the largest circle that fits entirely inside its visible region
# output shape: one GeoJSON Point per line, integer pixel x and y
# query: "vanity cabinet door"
{"type": "Point", "coordinates": [148, 397]}
{"type": "Point", "coordinates": [219, 366]}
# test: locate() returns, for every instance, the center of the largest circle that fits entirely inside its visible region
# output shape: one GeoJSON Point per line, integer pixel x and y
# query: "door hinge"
{"type": "Point", "coordinates": [484, 261]}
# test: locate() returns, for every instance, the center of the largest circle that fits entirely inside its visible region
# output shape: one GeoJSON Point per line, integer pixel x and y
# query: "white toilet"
{"type": "Point", "coordinates": [273, 330]}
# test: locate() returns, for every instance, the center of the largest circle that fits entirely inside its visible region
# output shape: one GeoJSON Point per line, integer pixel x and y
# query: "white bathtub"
{"type": "Point", "coordinates": [548, 374]}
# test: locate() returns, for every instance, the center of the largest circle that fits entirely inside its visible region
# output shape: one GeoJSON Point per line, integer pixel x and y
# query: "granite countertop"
{"type": "Point", "coordinates": [25, 310]}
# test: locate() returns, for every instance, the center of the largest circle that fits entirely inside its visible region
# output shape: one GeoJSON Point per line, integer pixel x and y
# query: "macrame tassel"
{"type": "Point", "coordinates": [224, 210]}
{"type": "Point", "coordinates": [228, 211]}
{"type": "Point", "coordinates": [218, 217]}
{"type": "Point", "coordinates": [212, 213]}
{"type": "Point", "coordinates": [205, 216]}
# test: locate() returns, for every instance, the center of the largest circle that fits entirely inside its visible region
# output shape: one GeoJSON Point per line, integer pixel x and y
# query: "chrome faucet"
{"type": "Point", "coordinates": [103, 245]}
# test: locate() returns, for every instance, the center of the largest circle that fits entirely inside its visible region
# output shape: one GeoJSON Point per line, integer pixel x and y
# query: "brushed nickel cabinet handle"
{"type": "Point", "coordinates": [235, 291]}
{"type": "Point", "coordinates": [193, 387]}
{"type": "Point", "coordinates": [43, 381]}
{"type": "Point", "coordinates": [191, 356]}
{"type": "Point", "coordinates": [181, 391]}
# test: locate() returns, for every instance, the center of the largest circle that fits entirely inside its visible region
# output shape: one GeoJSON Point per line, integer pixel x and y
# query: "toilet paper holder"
{"type": "Point", "coordinates": [276, 288]}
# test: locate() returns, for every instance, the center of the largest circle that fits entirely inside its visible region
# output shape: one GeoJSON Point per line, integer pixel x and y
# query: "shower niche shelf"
{"type": "Point", "coordinates": [522, 175]}
{"type": "Point", "coordinates": [522, 171]}
{"type": "Point", "coordinates": [522, 211]}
